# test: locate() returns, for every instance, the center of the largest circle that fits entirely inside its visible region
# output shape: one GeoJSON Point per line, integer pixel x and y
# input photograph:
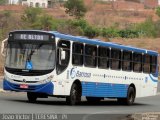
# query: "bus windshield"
{"type": "Point", "coordinates": [30, 56]}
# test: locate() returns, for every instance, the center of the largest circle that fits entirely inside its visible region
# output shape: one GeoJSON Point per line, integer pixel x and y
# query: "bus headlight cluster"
{"type": "Point", "coordinates": [7, 78]}
{"type": "Point", "coordinates": [47, 80]}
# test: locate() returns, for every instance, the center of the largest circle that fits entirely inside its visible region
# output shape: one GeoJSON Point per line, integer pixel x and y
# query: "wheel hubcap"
{"type": "Point", "coordinates": [74, 95]}
{"type": "Point", "coordinates": [131, 97]}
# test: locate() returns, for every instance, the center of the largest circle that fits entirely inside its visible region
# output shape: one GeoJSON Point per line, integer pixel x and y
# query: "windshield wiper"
{"type": "Point", "coordinates": [29, 56]}
{"type": "Point", "coordinates": [29, 65]}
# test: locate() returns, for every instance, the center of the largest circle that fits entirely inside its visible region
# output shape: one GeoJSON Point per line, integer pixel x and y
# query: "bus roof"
{"type": "Point", "coordinates": [101, 43]}
{"type": "Point", "coordinates": [96, 42]}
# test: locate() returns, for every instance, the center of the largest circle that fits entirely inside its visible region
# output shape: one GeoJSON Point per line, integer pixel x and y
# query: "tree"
{"type": "Point", "coordinates": [75, 8]}
{"type": "Point", "coordinates": [2, 2]}
{"type": "Point", "coordinates": [44, 22]}
{"type": "Point", "coordinates": [158, 11]}
{"type": "Point", "coordinates": [147, 28]}
{"type": "Point", "coordinates": [30, 14]}
{"type": "Point", "coordinates": [4, 23]}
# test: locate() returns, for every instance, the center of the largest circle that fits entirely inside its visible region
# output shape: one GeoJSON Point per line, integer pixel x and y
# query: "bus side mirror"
{"type": "Point", "coordinates": [62, 55]}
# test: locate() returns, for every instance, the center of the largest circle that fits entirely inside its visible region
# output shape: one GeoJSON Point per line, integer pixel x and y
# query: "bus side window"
{"type": "Point", "coordinates": [137, 62]}
{"type": "Point", "coordinates": [153, 64]}
{"type": "Point", "coordinates": [103, 57]}
{"type": "Point", "coordinates": [90, 56]}
{"type": "Point", "coordinates": [127, 61]}
{"type": "Point", "coordinates": [77, 54]}
{"type": "Point", "coordinates": [63, 55]}
{"type": "Point", "coordinates": [146, 63]}
{"type": "Point", "coordinates": [115, 59]}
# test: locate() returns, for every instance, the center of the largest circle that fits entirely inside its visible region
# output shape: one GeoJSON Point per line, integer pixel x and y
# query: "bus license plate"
{"type": "Point", "coordinates": [24, 86]}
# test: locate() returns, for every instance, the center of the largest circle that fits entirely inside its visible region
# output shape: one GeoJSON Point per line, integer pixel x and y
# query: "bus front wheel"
{"type": "Point", "coordinates": [75, 95]}
{"type": "Point", "coordinates": [32, 97]}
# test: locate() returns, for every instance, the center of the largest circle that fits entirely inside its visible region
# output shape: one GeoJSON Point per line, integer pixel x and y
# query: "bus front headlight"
{"type": "Point", "coordinates": [47, 80]}
{"type": "Point", "coordinates": [44, 81]}
{"type": "Point", "coordinates": [7, 78]}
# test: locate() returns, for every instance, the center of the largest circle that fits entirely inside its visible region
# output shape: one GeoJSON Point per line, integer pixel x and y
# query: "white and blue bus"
{"type": "Point", "coordinates": [49, 63]}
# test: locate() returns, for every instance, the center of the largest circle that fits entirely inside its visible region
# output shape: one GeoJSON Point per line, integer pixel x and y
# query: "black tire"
{"type": "Point", "coordinates": [130, 96]}
{"type": "Point", "coordinates": [32, 97]}
{"type": "Point", "coordinates": [93, 99]}
{"type": "Point", "coordinates": [129, 100]}
{"type": "Point", "coordinates": [75, 95]}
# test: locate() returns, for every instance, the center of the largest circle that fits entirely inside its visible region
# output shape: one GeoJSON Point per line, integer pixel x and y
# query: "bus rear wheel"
{"type": "Point", "coordinates": [130, 96]}
{"type": "Point", "coordinates": [129, 100]}
{"type": "Point", "coordinates": [75, 95]}
{"type": "Point", "coordinates": [32, 97]}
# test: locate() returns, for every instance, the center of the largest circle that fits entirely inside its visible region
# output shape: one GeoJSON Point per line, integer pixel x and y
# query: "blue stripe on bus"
{"type": "Point", "coordinates": [43, 88]}
{"type": "Point", "coordinates": [154, 80]}
{"type": "Point", "coordinates": [104, 89]}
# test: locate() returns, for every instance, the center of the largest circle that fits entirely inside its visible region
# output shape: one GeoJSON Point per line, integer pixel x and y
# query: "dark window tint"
{"type": "Point", "coordinates": [64, 44]}
{"type": "Point", "coordinates": [153, 64]}
{"type": "Point", "coordinates": [77, 56]}
{"type": "Point", "coordinates": [90, 55]}
{"type": "Point", "coordinates": [146, 63]}
{"type": "Point", "coordinates": [127, 61]}
{"type": "Point", "coordinates": [103, 57]}
{"type": "Point", "coordinates": [137, 62]}
{"type": "Point", "coordinates": [115, 60]}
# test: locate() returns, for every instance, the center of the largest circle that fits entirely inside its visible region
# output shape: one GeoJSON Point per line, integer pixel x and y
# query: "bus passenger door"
{"type": "Point", "coordinates": [63, 57]}
{"type": "Point", "coordinates": [149, 69]}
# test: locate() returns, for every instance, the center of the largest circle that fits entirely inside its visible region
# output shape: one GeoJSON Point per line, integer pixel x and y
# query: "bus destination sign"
{"type": "Point", "coordinates": [31, 37]}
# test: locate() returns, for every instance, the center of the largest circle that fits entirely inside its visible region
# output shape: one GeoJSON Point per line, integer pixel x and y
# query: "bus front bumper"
{"type": "Point", "coordinates": [47, 88]}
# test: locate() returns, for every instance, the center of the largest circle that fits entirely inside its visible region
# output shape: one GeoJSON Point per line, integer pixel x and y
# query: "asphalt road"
{"type": "Point", "coordinates": [13, 102]}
